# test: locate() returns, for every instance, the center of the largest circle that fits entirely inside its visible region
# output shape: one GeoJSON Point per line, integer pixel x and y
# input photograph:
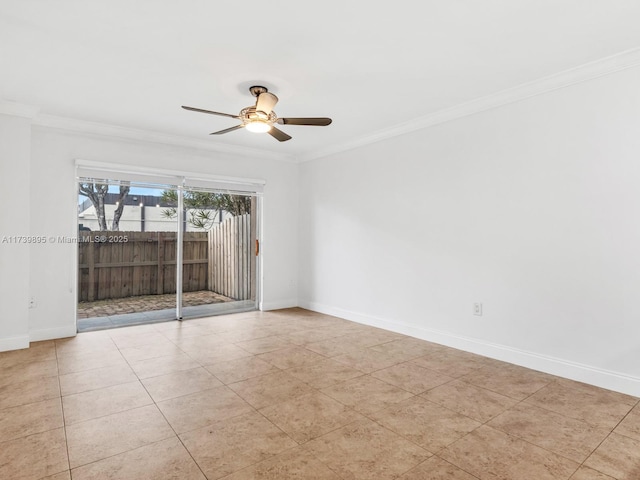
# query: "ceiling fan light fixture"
{"type": "Point", "coordinates": [260, 118]}
{"type": "Point", "coordinates": [258, 126]}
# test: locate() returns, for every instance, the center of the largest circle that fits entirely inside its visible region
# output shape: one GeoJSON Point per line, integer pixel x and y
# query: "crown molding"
{"type": "Point", "coordinates": [127, 133]}
{"type": "Point", "coordinates": [583, 73]}
{"type": "Point", "coordinates": [18, 109]}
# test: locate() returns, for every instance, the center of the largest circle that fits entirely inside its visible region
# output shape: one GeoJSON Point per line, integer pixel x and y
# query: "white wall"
{"type": "Point", "coordinates": [15, 146]}
{"type": "Point", "coordinates": [54, 213]}
{"type": "Point", "coordinates": [532, 209]}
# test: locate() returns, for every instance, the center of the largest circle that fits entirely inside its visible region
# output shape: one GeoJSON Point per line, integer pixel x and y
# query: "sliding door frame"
{"type": "Point", "coordinates": [89, 170]}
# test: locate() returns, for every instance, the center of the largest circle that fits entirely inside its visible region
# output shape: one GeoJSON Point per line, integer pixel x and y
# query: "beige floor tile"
{"type": "Point", "coordinates": [270, 389]}
{"type": "Point", "coordinates": [217, 354]}
{"type": "Point", "coordinates": [630, 426]}
{"type": "Point", "coordinates": [104, 437]}
{"type": "Point", "coordinates": [469, 400]}
{"type": "Point", "coordinates": [436, 468]}
{"type": "Point", "coordinates": [264, 345]}
{"type": "Point", "coordinates": [342, 345]}
{"type": "Point", "coordinates": [367, 360]}
{"type": "Point", "coordinates": [43, 343]}
{"type": "Point", "coordinates": [449, 362]}
{"type": "Point", "coordinates": [366, 394]}
{"type": "Point", "coordinates": [377, 336]}
{"type": "Point", "coordinates": [196, 342]}
{"type": "Point", "coordinates": [411, 377]}
{"type": "Point", "coordinates": [59, 476]}
{"type": "Point", "coordinates": [125, 339]}
{"type": "Point", "coordinates": [243, 334]}
{"type": "Point", "coordinates": [37, 352]}
{"type": "Point", "coordinates": [539, 427]}
{"type": "Point", "coordinates": [593, 405]}
{"type": "Point", "coordinates": [241, 369]}
{"type": "Point", "coordinates": [412, 347]}
{"type": "Point", "coordinates": [490, 454]}
{"type": "Point", "coordinates": [90, 361]}
{"type": "Point", "coordinates": [168, 325]}
{"type": "Point", "coordinates": [565, 436]}
{"type": "Point", "coordinates": [310, 416]}
{"type": "Point", "coordinates": [148, 351]}
{"type": "Point", "coordinates": [22, 372]}
{"type": "Point", "coordinates": [164, 460]}
{"type": "Point", "coordinates": [609, 395]}
{"type": "Point", "coordinates": [154, 367]}
{"type": "Point", "coordinates": [181, 330]}
{"type": "Point", "coordinates": [213, 325]}
{"type": "Point", "coordinates": [93, 379]}
{"type": "Point", "coordinates": [35, 456]}
{"type": "Point", "coordinates": [200, 409]}
{"type": "Point", "coordinates": [424, 423]}
{"type": "Point", "coordinates": [181, 383]}
{"type": "Point", "coordinates": [16, 422]}
{"type": "Point", "coordinates": [304, 337]}
{"type": "Point", "coordinates": [227, 446]}
{"type": "Point", "coordinates": [281, 329]}
{"type": "Point", "coordinates": [291, 357]}
{"type": "Point", "coordinates": [365, 450]}
{"type": "Point", "coordinates": [84, 344]}
{"type": "Point", "coordinates": [29, 391]}
{"type": "Point", "coordinates": [585, 473]}
{"type": "Point", "coordinates": [618, 456]}
{"type": "Point", "coordinates": [510, 380]}
{"type": "Point", "coordinates": [104, 401]}
{"type": "Point", "coordinates": [131, 330]}
{"type": "Point", "coordinates": [294, 464]}
{"type": "Point", "coordinates": [324, 373]}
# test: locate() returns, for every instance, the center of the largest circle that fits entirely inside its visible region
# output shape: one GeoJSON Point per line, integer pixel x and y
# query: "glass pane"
{"type": "Point", "coordinates": [127, 261]}
{"type": "Point", "coordinates": [218, 251]}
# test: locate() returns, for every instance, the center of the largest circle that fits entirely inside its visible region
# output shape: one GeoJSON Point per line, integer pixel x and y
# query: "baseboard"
{"type": "Point", "coordinates": [52, 333]}
{"type": "Point", "coordinates": [563, 368]}
{"type": "Point", "coordinates": [14, 343]}
{"type": "Point", "coordinates": [278, 304]}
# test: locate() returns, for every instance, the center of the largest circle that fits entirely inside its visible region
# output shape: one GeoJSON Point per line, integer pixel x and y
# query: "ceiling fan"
{"type": "Point", "coordinates": [260, 118]}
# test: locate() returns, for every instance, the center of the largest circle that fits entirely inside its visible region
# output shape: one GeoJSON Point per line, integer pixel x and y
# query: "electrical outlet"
{"type": "Point", "coordinates": [477, 309]}
{"type": "Point", "coordinates": [32, 302]}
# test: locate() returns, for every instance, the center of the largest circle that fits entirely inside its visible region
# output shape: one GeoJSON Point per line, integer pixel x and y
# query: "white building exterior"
{"type": "Point", "coordinates": [136, 218]}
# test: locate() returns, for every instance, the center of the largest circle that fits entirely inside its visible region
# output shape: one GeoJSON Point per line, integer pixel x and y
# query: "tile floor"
{"type": "Point", "coordinates": [293, 394]}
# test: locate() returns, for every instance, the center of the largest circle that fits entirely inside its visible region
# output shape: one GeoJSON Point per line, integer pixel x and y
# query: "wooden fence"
{"type": "Point", "coordinates": [231, 258]}
{"type": "Point", "coordinates": [221, 260]}
{"type": "Point", "coordinates": [143, 265]}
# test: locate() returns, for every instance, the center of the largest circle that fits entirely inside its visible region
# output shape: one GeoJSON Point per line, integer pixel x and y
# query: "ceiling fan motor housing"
{"type": "Point", "coordinates": [257, 90]}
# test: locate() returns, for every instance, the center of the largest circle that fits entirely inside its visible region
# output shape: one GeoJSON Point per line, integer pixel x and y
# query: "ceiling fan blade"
{"type": "Point", "coordinates": [278, 134]}
{"type": "Point", "coordinates": [266, 101]}
{"type": "Point", "coordinates": [318, 121]}
{"type": "Point", "coordinates": [227, 130]}
{"type": "Point", "coordinates": [209, 111]}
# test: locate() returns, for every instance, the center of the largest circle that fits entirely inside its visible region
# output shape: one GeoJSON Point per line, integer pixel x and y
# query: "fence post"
{"type": "Point", "coordinates": [160, 279]}
{"type": "Point", "coordinates": [91, 295]}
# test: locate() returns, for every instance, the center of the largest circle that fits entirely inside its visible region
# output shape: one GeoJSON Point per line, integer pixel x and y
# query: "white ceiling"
{"type": "Point", "coordinates": [369, 65]}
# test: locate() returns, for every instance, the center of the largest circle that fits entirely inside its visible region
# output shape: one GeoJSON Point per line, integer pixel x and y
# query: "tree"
{"type": "Point", "coordinates": [203, 207]}
{"type": "Point", "coordinates": [96, 192]}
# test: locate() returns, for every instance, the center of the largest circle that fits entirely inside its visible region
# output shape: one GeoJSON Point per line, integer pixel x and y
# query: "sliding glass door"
{"type": "Point", "coordinates": [150, 252]}
{"type": "Point", "coordinates": [219, 245]}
